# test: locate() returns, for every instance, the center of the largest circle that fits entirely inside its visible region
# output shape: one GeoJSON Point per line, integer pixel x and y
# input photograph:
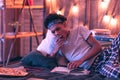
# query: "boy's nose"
{"type": "Point", "coordinates": [56, 32]}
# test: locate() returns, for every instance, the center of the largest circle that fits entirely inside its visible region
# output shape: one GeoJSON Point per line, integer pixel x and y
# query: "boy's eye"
{"type": "Point", "coordinates": [57, 29]}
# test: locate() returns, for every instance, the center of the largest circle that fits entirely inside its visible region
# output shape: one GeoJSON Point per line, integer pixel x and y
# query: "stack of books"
{"type": "Point", "coordinates": [103, 35]}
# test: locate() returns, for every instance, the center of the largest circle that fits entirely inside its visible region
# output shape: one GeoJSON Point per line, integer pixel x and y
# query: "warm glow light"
{"type": "Point", "coordinates": [103, 5]}
{"type": "Point", "coordinates": [107, 1]}
{"type": "Point", "coordinates": [59, 12]}
{"type": "Point", "coordinates": [106, 19]}
{"type": "Point", "coordinates": [48, 0]}
{"type": "Point", "coordinates": [113, 22]}
{"type": "Point", "coordinates": [75, 9]}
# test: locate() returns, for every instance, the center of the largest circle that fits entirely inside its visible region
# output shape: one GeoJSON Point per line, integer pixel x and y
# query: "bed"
{"type": "Point", "coordinates": [40, 73]}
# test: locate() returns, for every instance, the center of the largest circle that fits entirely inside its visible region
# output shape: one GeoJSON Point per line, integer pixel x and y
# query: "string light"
{"type": "Point", "coordinates": [106, 18]}
{"type": "Point", "coordinates": [75, 9]}
{"type": "Point", "coordinates": [59, 12]}
{"type": "Point", "coordinates": [113, 22]}
{"type": "Point", "coordinates": [103, 5]}
{"type": "Point", "coordinates": [48, 0]}
{"type": "Point", "coordinates": [107, 1]}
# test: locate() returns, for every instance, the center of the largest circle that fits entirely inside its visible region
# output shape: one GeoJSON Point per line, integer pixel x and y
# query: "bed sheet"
{"type": "Point", "coordinates": [40, 73]}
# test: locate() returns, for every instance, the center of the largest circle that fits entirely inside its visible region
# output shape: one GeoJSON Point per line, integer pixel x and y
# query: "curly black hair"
{"type": "Point", "coordinates": [53, 16]}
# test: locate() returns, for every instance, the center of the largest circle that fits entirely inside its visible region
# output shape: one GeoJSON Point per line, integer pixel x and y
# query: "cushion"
{"type": "Point", "coordinates": [47, 44]}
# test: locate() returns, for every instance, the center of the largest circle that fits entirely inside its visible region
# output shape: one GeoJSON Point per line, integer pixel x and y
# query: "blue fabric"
{"type": "Point", "coordinates": [107, 63]}
{"type": "Point", "coordinates": [35, 59]}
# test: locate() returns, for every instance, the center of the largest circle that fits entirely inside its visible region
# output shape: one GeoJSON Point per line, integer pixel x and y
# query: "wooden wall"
{"type": "Point", "coordinates": [24, 45]}
{"type": "Point", "coordinates": [90, 14]}
{"type": "Point", "coordinates": [38, 16]}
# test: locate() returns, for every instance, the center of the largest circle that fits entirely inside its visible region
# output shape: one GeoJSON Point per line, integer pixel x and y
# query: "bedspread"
{"type": "Point", "coordinates": [44, 73]}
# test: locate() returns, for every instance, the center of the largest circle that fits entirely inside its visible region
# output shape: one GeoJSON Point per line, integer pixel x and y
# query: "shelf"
{"type": "Point", "coordinates": [11, 35]}
{"type": "Point", "coordinates": [20, 6]}
{"type": "Point", "coordinates": [14, 8]}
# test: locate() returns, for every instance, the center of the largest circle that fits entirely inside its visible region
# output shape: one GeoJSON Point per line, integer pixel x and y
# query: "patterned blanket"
{"type": "Point", "coordinates": [44, 73]}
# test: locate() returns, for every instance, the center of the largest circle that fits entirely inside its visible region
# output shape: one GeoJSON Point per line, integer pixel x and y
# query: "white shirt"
{"type": "Point", "coordinates": [74, 48]}
{"type": "Point", "coordinates": [76, 45]}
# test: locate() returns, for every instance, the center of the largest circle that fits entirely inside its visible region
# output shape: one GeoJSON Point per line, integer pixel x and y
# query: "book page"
{"type": "Point", "coordinates": [61, 69]}
{"type": "Point", "coordinates": [65, 70]}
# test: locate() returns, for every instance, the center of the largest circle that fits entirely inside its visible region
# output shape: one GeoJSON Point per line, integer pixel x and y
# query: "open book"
{"type": "Point", "coordinates": [65, 70]}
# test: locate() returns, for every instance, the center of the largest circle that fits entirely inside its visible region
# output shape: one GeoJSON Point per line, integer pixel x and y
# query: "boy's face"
{"type": "Point", "coordinates": [59, 30]}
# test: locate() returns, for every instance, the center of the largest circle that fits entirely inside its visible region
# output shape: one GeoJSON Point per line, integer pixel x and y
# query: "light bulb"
{"type": "Point", "coordinates": [59, 12]}
{"type": "Point", "coordinates": [113, 22]}
{"type": "Point", "coordinates": [48, 0]}
{"type": "Point", "coordinates": [107, 1]}
{"type": "Point", "coordinates": [106, 18]}
{"type": "Point", "coordinates": [103, 5]}
{"type": "Point", "coordinates": [75, 9]}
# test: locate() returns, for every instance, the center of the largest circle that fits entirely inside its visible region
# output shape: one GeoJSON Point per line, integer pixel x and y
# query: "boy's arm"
{"type": "Point", "coordinates": [61, 60]}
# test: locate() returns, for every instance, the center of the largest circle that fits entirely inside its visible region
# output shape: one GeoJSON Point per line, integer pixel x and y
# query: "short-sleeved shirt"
{"type": "Point", "coordinates": [76, 45]}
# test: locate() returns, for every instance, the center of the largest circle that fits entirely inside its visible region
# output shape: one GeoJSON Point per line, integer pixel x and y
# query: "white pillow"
{"type": "Point", "coordinates": [47, 44]}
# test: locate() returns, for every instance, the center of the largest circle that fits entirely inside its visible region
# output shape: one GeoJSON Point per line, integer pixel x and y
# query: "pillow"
{"type": "Point", "coordinates": [47, 44]}
{"type": "Point", "coordinates": [35, 58]}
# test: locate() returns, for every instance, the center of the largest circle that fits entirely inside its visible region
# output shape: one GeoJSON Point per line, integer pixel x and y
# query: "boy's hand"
{"type": "Point", "coordinates": [74, 64]}
{"type": "Point", "coordinates": [58, 43]}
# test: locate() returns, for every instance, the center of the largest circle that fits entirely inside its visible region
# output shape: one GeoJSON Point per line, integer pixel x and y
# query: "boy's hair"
{"type": "Point", "coordinates": [54, 18]}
